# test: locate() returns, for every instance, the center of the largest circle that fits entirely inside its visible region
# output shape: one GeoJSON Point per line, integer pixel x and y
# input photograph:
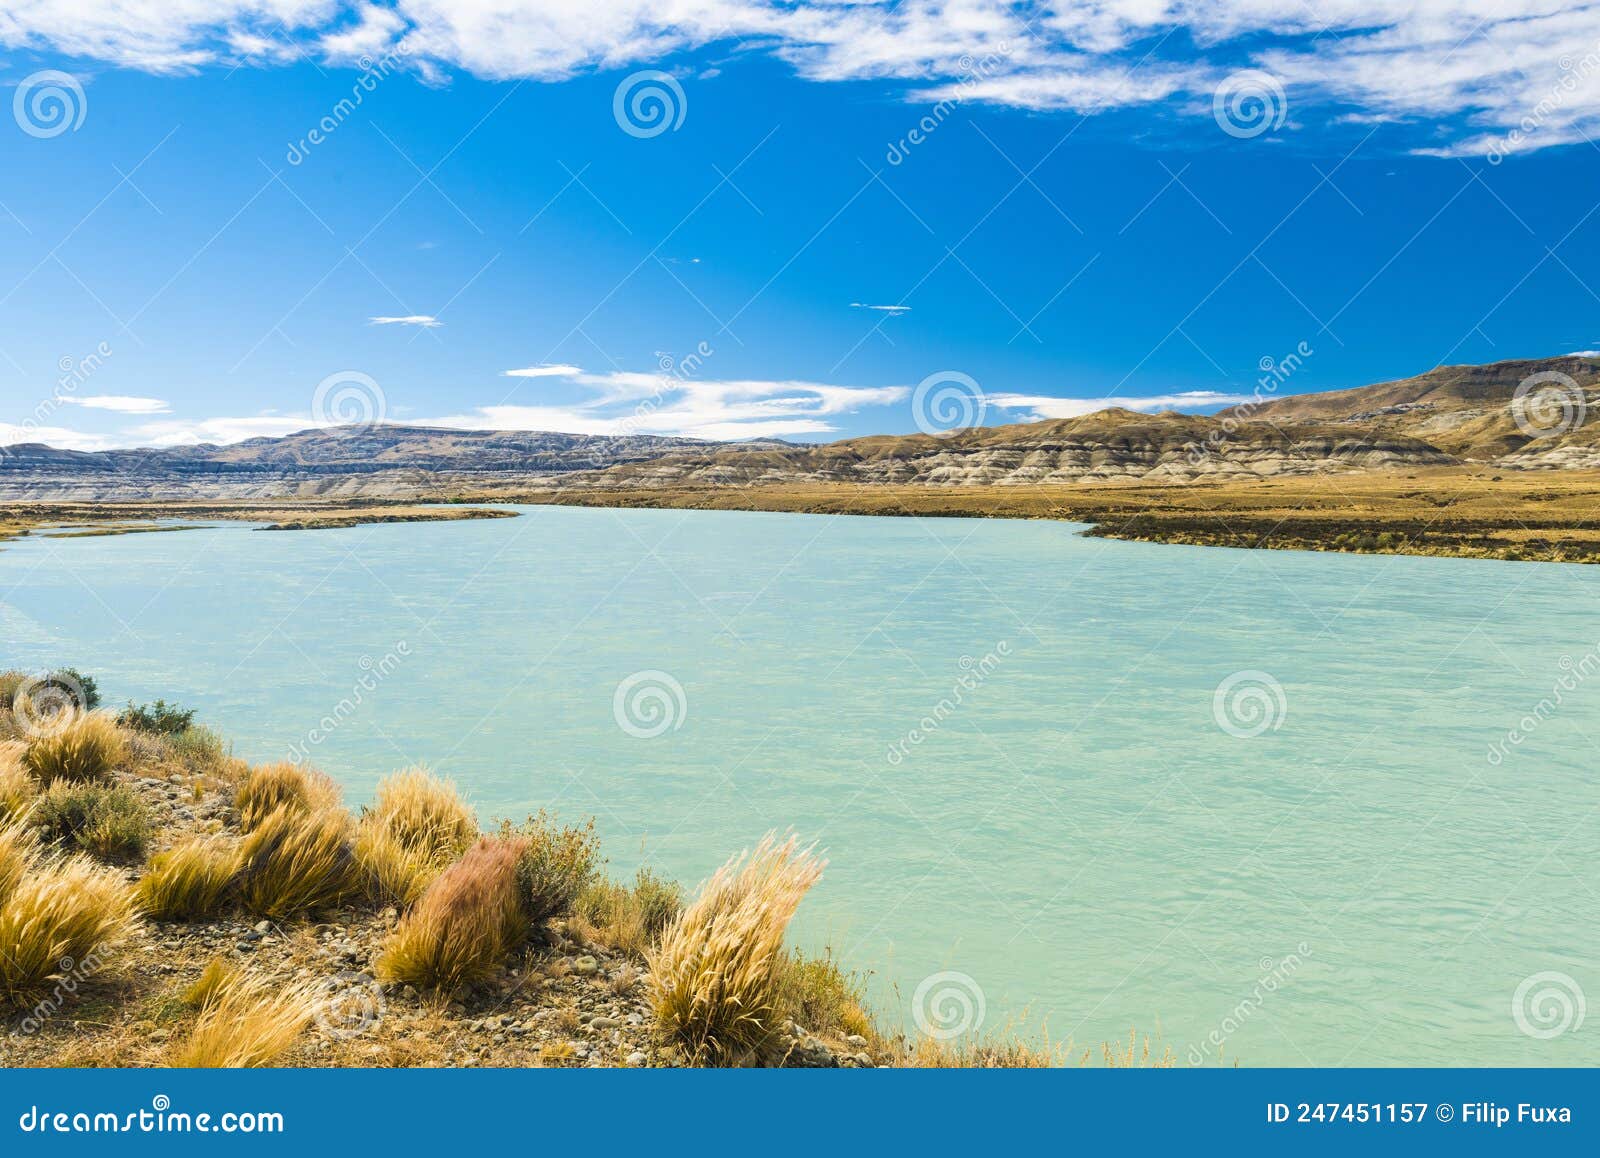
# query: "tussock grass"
{"type": "Point", "coordinates": [108, 820]}
{"type": "Point", "coordinates": [244, 1023]}
{"type": "Point", "coordinates": [392, 874]}
{"type": "Point", "coordinates": [425, 814]}
{"type": "Point", "coordinates": [556, 863]}
{"type": "Point", "coordinates": [62, 912]}
{"type": "Point", "coordinates": [296, 861]}
{"type": "Point", "coordinates": [216, 978]}
{"type": "Point", "coordinates": [269, 787]}
{"type": "Point", "coordinates": [17, 787]}
{"type": "Point", "coordinates": [191, 881]}
{"type": "Point", "coordinates": [1011, 1051]}
{"type": "Point", "coordinates": [416, 827]}
{"type": "Point", "coordinates": [716, 979]}
{"type": "Point", "coordinates": [83, 749]}
{"type": "Point", "coordinates": [626, 919]}
{"type": "Point", "coordinates": [468, 922]}
{"type": "Point", "coordinates": [17, 850]}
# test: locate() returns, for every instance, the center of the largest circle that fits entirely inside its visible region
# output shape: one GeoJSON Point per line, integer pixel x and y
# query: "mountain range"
{"type": "Point", "coordinates": [1516, 415]}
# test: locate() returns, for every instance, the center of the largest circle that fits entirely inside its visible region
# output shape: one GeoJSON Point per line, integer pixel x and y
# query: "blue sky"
{"type": "Point", "coordinates": [1088, 215]}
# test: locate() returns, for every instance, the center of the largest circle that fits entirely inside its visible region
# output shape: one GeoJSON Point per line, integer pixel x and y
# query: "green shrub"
{"type": "Point", "coordinates": [555, 866]}
{"type": "Point", "coordinates": [198, 748]}
{"type": "Point", "coordinates": [107, 820]}
{"type": "Point", "coordinates": [160, 718]}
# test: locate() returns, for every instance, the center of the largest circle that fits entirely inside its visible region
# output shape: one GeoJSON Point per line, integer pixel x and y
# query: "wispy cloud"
{"type": "Point", "coordinates": [544, 371]}
{"type": "Point", "coordinates": [1042, 406]}
{"type": "Point", "coordinates": [427, 321]}
{"type": "Point", "coordinates": [121, 403]}
{"type": "Point", "coordinates": [1509, 76]}
{"type": "Point", "coordinates": [891, 310]}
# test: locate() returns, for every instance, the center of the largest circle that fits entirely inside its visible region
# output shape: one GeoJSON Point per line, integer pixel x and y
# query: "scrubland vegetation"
{"type": "Point", "coordinates": [145, 871]}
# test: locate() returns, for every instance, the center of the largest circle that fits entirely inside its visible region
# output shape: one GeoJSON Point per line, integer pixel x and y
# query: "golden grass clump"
{"type": "Point", "coordinates": [82, 749]}
{"type": "Point", "coordinates": [17, 787]}
{"type": "Point", "coordinates": [245, 1022]}
{"type": "Point", "coordinates": [218, 976]}
{"type": "Point", "coordinates": [467, 924]}
{"type": "Point", "coordinates": [425, 814]}
{"type": "Point", "coordinates": [269, 787]}
{"type": "Point", "coordinates": [716, 979]}
{"type": "Point", "coordinates": [392, 873]}
{"type": "Point", "coordinates": [295, 861]}
{"type": "Point", "coordinates": [18, 847]}
{"type": "Point", "coordinates": [189, 881]}
{"type": "Point", "coordinates": [63, 912]}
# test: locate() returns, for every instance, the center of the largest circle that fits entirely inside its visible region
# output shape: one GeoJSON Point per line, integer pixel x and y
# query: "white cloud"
{"type": "Point", "coordinates": [636, 403]}
{"type": "Point", "coordinates": [184, 432]}
{"type": "Point", "coordinates": [1042, 406]}
{"type": "Point", "coordinates": [427, 321]}
{"type": "Point", "coordinates": [121, 403]}
{"type": "Point", "coordinates": [543, 371]}
{"type": "Point", "coordinates": [1497, 77]}
{"type": "Point", "coordinates": [893, 311]}
{"type": "Point", "coordinates": [57, 436]}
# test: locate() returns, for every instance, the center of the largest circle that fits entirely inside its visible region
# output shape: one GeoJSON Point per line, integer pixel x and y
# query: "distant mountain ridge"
{"type": "Point", "coordinates": [1523, 414]}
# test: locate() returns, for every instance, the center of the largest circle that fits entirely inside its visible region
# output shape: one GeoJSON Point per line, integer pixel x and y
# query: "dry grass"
{"type": "Point", "coordinates": [465, 926]}
{"type": "Point", "coordinates": [416, 827]}
{"type": "Point", "coordinates": [244, 1023]}
{"type": "Point", "coordinates": [1014, 1051]}
{"type": "Point", "coordinates": [392, 874]}
{"type": "Point", "coordinates": [425, 814]}
{"type": "Point", "coordinates": [17, 851]}
{"type": "Point", "coordinates": [83, 749]}
{"type": "Point", "coordinates": [269, 787]}
{"type": "Point", "coordinates": [17, 786]}
{"type": "Point", "coordinates": [190, 881]}
{"type": "Point", "coordinates": [825, 999]}
{"type": "Point", "coordinates": [63, 911]}
{"type": "Point", "coordinates": [297, 861]}
{"type": "Point", "coordinates": [716, 979]}
{"type": "Point", "coordinates": [217, 977]}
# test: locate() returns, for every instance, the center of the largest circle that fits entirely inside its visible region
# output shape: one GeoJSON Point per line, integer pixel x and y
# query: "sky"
{"type": "Point", "coordinates": [727, 219]}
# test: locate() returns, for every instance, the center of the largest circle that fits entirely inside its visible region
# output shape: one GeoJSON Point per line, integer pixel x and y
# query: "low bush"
{"type": "Point", "coordinates": [269, 787]}
{"type": "Point", "coordinates": [109, 820]}
{"type": "Point", "coordinates": [296, 862]}
{"type": "Point", "coordinates": [245, 1022]}
{"type": "Point", "coordinates": [717, 977]}
{"type": "Point", "coordinates": [62, 913]}
{"type": "Point", "coordinates": [466, 925]}
{"type": "Point", "coordinates": [556, 863]}
{"type": "Point", "coordinates": [199, 749]}
{"type": "Point", "coordinates": [192, 881]}
{"type": "Point", "coordinates": [629, 919]}
{"type": "Point", "coordinates": [159, 718]}
{"type": "Point", "coordinates": [82, 749]}
{"type": "Point", "coordinates": [824, 998]}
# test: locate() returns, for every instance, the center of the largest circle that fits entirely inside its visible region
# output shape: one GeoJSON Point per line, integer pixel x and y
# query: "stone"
{"type": "Point", "coordinates": [586, 966]}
